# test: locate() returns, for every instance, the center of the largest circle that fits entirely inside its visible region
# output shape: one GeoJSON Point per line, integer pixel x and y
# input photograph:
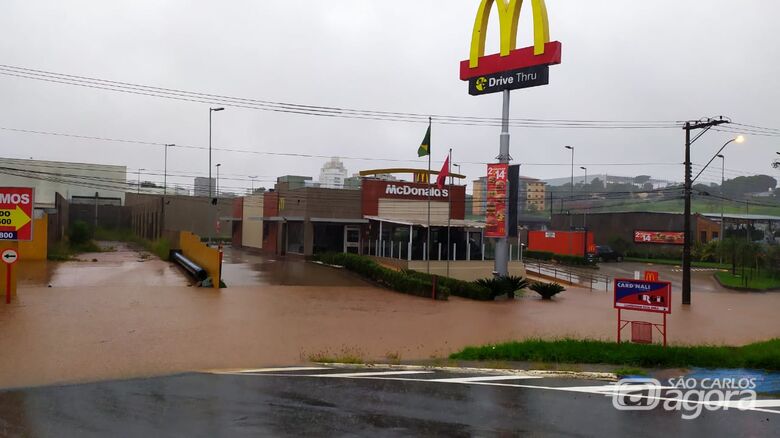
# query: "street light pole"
{"type": "Point", "coordinates": [585, 212]}
{"type": "Point", "coordinates": [165, 172]}
{"type": "Point", "coordinates": [211, 110]}
{"type": "Point", "coordinates": [218, 166]}
{"type": "Point", "coordinates": [253, 178]}
{"type": "Point", "coordinates": [722, 224]}
{"type": "Point", "coordinates": [571, 192]}
{"type": "Point", "coordinates": [211, 192]}
{"type": "Point", "coordinates": [139, 181]}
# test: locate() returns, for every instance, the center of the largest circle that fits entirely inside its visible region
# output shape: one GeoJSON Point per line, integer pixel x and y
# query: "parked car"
{"type": "Point", "coordinates": [605, 254]}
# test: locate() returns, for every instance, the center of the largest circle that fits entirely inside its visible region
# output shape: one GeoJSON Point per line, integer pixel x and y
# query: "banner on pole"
{"type": "Point", "coordinates": [496, 197]}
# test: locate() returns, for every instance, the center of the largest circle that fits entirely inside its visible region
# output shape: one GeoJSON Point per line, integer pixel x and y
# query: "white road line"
{"type": "Point", "coordinates": [272, 370]}
{"type": "Point", "coordinates": [483, 379]}
{"type": "Point", "coordinates": [376, 374]}
{"type": "Point", "coordinates": [604, 390]}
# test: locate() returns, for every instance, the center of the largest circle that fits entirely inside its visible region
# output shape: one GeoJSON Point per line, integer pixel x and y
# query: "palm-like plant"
{"type": "Point", "coordinates": [503, 285]}
{"type": "Point", "coordinates": [547, 290]}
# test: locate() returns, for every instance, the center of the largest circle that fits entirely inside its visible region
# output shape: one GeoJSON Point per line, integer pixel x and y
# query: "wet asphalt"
{"type": "Point", "coordinates": [336, 402]}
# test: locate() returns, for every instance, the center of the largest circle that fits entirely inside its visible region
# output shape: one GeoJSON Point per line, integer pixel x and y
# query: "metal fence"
{"type": "Point", "coordinates": [592, 279]}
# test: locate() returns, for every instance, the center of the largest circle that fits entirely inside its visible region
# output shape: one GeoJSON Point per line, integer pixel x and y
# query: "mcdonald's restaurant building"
{"type": "Point", "coordinates": [381, 218]}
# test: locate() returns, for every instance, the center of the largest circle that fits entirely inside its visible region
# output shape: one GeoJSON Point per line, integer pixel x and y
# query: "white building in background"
{"type": "Point", "coordinates": [333, 174]}
{"type": "Point", "coordinates": [79, 180]}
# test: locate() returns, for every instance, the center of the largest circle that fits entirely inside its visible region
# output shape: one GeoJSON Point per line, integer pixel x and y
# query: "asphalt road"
{"type": "Point", "coordinates": [354, 402]}
{"type": "Point", "coordinates": [702, 279]}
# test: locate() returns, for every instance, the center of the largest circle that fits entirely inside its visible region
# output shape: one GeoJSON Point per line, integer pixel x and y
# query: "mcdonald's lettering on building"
{"type": "Point", "coordinates": [512, 68]}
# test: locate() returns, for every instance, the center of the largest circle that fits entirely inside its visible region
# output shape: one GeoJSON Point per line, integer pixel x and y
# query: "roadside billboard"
{"type": "Point", "coordinates": [16, 212]}
{"type": "Point", "coordinates": [496, 211]}
{"type": "Point", "coordinates": [643, 296]}
{"type": "Point", "coordinates": [659, 237]}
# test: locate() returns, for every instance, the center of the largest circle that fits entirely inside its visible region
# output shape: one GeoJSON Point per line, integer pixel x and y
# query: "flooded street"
{"type": "Point", "coordinates": [242, 268]}
{"type": "Point", "coordinates": [123, 317]}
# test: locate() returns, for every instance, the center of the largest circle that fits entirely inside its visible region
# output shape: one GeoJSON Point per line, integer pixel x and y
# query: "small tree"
{"type": "Point", "coordinates": [547, 290]}
{"type": "Point", "coordinates": [79, 233]}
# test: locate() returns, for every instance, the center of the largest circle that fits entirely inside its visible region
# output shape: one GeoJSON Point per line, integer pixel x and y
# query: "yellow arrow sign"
{"type": "Point", "coordinates": [14, 218]}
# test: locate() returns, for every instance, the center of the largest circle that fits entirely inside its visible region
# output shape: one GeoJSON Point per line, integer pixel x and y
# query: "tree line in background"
{"type": "Point", "coordinates": [737, 188]}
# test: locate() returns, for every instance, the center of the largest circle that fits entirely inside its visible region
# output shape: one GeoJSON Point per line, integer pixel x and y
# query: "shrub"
{"type": "Point", "coordinates": [400, 281]}
{"type": "Point", "coordinates": [560, 258]}
{"type": "Point", "coordinates": [539, 255]}
{"type": "Point", "coordinates": [547, 290]}
{"type": "Point", "coordinates": [79, 233]}
{"type": "Point", "coordinates": [503, 285]}
{"type": "Point", "coordinates": [459, 288]}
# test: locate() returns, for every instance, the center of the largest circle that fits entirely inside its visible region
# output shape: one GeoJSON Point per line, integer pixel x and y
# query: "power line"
{"type": "Point", "coordinates": [317, 110]}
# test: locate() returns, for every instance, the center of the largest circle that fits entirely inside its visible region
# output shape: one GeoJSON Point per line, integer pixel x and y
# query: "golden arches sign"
{"type": "Point", "coordinates": [509, 18]}
{"type": "Point", "coordinates": [511, 68]}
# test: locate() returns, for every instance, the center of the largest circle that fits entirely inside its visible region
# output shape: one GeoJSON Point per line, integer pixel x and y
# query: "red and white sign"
{"type": "Point", "coordinates": [660, 237]}
{"type": "Point", "coordinates": [497, 190]}
{"type": "Point", "coordinates": [16, 212]}
{"type": "Point", "coordinates": [643, 296]}
{"type": "Point", "coordinates": [373, 191]}
{"type": "Point", "coordinates": [9, 256]}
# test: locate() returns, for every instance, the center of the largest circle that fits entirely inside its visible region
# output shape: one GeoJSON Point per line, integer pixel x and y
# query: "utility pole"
{"type": "Point", "coordinates": [722, 205]}
{"type": "Point", "coordinates": [704, 125]}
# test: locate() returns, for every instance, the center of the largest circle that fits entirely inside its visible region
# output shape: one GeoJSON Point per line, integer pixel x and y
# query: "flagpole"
{"type": "Point", "coordinates": [430, 189]}
{"type": "Point", "coordinates": [449, 208]}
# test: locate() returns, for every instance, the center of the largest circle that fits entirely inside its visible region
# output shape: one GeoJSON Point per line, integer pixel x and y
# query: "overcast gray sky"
{"type": "Point", "coordinates": [623, 60]}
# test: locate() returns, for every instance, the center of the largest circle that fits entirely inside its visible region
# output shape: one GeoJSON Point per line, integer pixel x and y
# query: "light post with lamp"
{"type": "Point", "coordinates": [585, 213]}
{"type": "Point", "coordinates": [686, 285]}
{"type": "Point", "coordinates": [211, 184]}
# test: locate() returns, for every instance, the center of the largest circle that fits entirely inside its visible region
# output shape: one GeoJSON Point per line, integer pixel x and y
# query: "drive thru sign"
{"type": "Point", "coordinates": [16, 211]}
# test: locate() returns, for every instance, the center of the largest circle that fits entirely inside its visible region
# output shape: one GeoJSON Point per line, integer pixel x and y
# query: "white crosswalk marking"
{"type": "Point", "coordinates": [483, 379]}
{"type": "Point", "coordinates": [370, 374]}
{"type": "Point", "coordinates": [274, 370]}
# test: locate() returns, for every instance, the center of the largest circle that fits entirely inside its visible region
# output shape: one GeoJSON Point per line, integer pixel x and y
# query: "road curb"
{"type": "Point", "coordinates": [580, 375]}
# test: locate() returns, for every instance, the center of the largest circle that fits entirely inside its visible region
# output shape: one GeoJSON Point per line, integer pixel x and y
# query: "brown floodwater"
{"type": "Point", "coordinates": [131, 318]}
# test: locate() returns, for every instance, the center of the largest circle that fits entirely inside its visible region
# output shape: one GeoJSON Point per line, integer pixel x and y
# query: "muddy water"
{"type": "Point", "coordinates": [65, 334]}
{"type": "Point", "coordinates": [120, 265]}
{"type": "Point", "coordinates": [241, 268]}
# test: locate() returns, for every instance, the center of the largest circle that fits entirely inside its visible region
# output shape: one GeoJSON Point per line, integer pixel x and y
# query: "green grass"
{"type": "Point", "coordinates": [161, 247]}
{"type": "Point", "coordinates": [755, 280]}
{"type": "Point", "coordinates": [627, 371]}
{"type": "Point", "coordinates": [762, 355]}
{"type": "Point", "coordinates": [713, 265]}
{"type": "Point", "coordinates": [697, 206]}
{"type": "Point", "coordinates": [63, 251]}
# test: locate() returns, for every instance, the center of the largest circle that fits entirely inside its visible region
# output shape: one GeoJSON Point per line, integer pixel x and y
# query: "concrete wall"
{"type": "Point", "coordinates": [150, 216]}
{"type": "Point", "coordinates": [252, 222]}
{"type": "Point", "coordinates": [56, 176]}
{"type": "Point", "coordinates": [208, 258]}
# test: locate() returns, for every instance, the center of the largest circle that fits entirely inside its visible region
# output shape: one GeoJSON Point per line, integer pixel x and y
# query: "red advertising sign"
{"type": "Point", "coordinates": [661, 237]}
{"type": "Point", "coordinates": [496, 196]}
{"type": "Point", "coordinates": [644, 296]}
{"type": "Point", "coordinates": [16, 212]}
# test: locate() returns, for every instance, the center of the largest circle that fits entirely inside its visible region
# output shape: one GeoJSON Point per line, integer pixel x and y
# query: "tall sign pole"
{"type": "Point", "coordinates": [511, 69]}
{"type": "Point", "coordinates": [501, 267]}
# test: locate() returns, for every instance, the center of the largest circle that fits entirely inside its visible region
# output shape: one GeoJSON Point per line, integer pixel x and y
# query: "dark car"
{"type": "Point", "coordinates": [605, 254]}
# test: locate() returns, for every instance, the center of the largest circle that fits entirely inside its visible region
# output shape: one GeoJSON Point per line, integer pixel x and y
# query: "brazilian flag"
{"type": "Point", "coordinates": [425, 147]}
